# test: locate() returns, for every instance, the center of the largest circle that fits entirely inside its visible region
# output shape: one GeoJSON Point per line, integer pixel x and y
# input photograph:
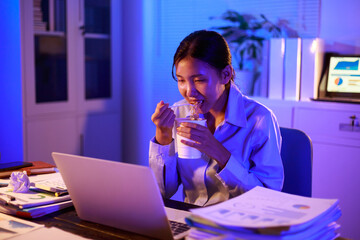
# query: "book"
{"type": "Point", "coordinates": [38, 167]}
{"type": "Point", "coordinates": [263, 213]}
{"type": "Point", "coordinates": [262, 87]}
{"type": "Point", "coordinates": [35, 202]}
{"type": "Point", "coordinates": [292, 61]}
{"type": "Point", "coordinates": [35, 212]}
{"type": "Point", "coordinates": [32, 198]}
{"type": "Point", "coordinates": [312, 54]}
{"type": "Point", "coordinates": [276, 68]}
{"type": "Point", "coordinates": [13, 166]}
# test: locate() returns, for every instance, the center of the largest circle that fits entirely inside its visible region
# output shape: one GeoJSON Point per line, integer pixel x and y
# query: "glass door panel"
{"type": "Point", "coordinates": [59, 16]}
{"type": "Point", "coordinates": [50, 69]}
{"type": "Point", "coordinates": [97, 49]}
{"type": "Point", "coordinates": [97, 68]}
{"type": "Point", "coordinates": [50, 51]}
{"type": "Point", "coordinates": [97, 16]}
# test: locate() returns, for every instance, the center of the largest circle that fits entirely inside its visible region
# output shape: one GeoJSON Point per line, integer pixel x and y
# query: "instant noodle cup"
{"type": "Point", "coordinates": [185, 151]}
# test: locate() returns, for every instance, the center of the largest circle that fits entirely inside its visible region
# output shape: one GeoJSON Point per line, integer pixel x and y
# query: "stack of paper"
{"type": "Point", "coordinates": [10, 226]}
{"type": "Point", "coordinates": [262, 213]}
{"type": "Point", "coordinates": [34, 203]}
{"type": "Point", "coordinates": [18, 229]}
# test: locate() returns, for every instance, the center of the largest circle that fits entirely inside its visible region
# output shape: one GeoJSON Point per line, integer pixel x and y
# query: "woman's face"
{"type": "Point", "coordinates": [199, 83]}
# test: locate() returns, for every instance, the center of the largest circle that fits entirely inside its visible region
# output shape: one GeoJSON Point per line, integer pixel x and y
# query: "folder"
{"type": "Point", "coordinates": [276, 68]}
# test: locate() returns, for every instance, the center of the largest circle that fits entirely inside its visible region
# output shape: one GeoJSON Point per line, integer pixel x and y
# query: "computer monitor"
{"type": "Point", "coordinates": [343, 77]}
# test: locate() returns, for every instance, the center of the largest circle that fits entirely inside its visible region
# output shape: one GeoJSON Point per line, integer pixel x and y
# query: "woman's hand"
{"type": "Point", "coordinates": [204, 141]}
{"type": "Point", "coordinates": [163, 119]}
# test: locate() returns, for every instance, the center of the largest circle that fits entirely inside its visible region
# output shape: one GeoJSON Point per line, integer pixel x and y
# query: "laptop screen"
{"type": "Point", "coordinates": [343, 79]}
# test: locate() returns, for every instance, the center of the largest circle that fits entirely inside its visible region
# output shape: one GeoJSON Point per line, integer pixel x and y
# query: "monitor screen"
{"type": "Point", "coordinates": [343, 76]}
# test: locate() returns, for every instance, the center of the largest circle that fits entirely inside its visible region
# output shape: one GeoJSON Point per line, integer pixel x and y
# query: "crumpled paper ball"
{"type": "Point", "coordinates": [19, 182]}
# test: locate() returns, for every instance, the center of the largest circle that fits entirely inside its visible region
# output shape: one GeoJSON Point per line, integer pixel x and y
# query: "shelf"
{"type": "Point", "coordinates": [49, 33]}
{"type": "Point", "coordinates": [97, 35]}
{"type": "Point", "coordinates": [309, 104]}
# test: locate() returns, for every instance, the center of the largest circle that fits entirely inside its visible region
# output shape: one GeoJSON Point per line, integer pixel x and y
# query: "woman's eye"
{"type": "Point", "coordinates": [199, 80]}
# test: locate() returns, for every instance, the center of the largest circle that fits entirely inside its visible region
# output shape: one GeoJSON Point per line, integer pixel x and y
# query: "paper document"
{"type": "Point", "coordinates": [262, 207]}
{"type": "Point", "coordinates": [29, 199]}
{"type": "Point", "coordinates": [176, 214]}
{"type": "Point", "coordinates": [11, 226]}
{"type": "Point", "coordinates": [54, 183]}
{"type": "Point", "coordinates": [33, 178]}
{"type": "Point", "coordinates": [33, 197]}
{"type": "Point", "coordinates": [50, 233]}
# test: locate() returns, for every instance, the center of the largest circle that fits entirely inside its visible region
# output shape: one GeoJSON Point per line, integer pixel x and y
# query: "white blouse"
{"type": "Point", "coordinates": [251, 134]}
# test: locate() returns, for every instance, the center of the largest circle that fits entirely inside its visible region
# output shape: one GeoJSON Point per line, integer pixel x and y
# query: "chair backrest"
{"type": "Point", "coordinates": [296, 154]}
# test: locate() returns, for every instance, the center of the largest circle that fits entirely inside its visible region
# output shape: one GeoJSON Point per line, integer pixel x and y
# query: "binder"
{"type": "Point", "coordinates": [276, 68]}
{"type": "Point", "coordinates": [312, 55]}
{"type": "Point", "coordinates": [292, 60]}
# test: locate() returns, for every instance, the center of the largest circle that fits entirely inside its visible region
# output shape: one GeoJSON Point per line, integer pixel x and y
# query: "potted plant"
{"type": "Point", "coordinates": [245, 35]}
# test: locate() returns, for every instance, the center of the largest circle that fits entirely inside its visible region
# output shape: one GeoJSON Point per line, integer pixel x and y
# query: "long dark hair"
{"type": "Point", "coordinates": [207, 46]}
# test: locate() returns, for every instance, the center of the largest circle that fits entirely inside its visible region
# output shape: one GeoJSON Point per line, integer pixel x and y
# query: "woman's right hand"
{"type": "Point", "coordinates": [163, 119]}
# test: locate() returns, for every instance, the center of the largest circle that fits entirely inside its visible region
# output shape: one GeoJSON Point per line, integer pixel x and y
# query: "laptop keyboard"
{"type": "Point", "coordinates": [178, 227]}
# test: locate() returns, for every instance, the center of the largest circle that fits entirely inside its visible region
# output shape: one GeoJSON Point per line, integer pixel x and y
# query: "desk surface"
{"type": "Point", "coordinates": [68, 220]}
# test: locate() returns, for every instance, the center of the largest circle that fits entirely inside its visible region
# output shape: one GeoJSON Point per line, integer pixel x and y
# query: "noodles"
{"type": "Point", "coordinates": [194, 111]}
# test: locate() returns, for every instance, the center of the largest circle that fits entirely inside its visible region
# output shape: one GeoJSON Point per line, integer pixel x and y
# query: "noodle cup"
{"type": "Point", "coordinates": [185, 151]}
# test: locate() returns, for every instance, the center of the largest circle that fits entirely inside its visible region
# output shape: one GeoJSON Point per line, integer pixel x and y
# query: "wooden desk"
{"type": "Point", "coordinates": [68, 220]}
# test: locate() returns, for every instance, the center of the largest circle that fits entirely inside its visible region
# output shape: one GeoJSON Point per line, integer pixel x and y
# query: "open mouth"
{"type": "Point", "coordinates": [197, 103]}
{"type": "Point", "coordinates": [196, 106]}
{"type": "Point", "coordinates": [195, 109]}
{"type": "Point", "coordinates": [200, 103]}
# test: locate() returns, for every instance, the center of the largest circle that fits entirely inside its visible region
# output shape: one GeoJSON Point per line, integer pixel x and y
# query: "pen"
{"type": "Point", "coordinates": [58, 194]}
{"type": "Point", "coordinates": [8, 200]}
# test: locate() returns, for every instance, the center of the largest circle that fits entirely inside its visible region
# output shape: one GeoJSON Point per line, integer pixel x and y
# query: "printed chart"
{"type": "Point", "coordinates": [344, 75]}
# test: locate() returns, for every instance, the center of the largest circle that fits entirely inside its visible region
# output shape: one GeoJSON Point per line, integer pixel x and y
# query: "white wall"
{"type": "Point", "coordinates": [135, 83]}
{"type": "Point", "coordinates": [340, 25]}
{"type": "Point", "coordinates": [11, 111]}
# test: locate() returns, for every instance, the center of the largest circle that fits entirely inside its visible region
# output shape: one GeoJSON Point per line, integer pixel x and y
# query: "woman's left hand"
{"type": "Point", "coordinates": [204, 141]}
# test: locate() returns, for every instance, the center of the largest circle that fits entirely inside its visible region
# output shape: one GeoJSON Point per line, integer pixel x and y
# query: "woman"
{"type": "Point", "coordinates": [241, 143]}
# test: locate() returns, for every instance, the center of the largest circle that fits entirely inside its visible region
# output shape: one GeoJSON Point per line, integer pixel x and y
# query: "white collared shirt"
{"type": "Point", "coordinates": [251, 134]}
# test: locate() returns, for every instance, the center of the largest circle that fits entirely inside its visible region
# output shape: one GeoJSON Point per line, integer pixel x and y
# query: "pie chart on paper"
{"type": "Point", "coordinates": [301, 206]}
{"type": "Point", "coordinates": [338, 81]}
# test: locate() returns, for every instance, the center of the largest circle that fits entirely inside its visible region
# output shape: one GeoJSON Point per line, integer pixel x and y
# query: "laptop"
{"type": "Point", "coordinates": [341, 79]}
{"type": "Point", "coordinates": [121, 195]}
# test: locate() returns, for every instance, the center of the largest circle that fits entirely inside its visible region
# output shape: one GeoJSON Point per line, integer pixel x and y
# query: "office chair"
{"type": "Point", "coordinates": [296, 154]}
